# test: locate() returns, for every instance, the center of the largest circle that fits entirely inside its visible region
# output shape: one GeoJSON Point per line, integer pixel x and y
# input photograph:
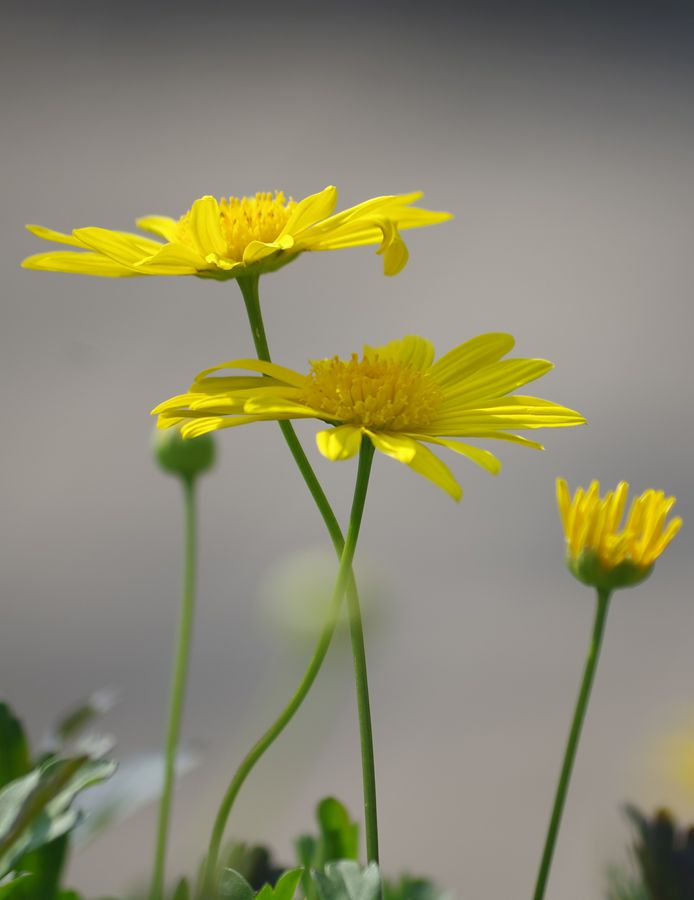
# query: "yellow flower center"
{"type": "Point", "coordinates": [380, 394]}
{"type": "Point", "coordinates": [246, 219]}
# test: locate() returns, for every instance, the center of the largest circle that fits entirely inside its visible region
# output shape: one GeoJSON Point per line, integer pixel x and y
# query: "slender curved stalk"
{"type": "Point", "coordinates": [178, 686]}
{"type": "Point", "coordinates": [249, 289]}
{"type": "Point", "coordinates": [602, 605]}
{"type": "Point", "coordinates": [259, 748]}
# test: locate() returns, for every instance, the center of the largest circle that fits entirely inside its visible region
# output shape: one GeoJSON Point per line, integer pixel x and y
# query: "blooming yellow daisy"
{"type": "Point", "coordinates": [395, 395]}
{"type": "Point", "coordinates": [234, 237]}
{"type": "Point", "coordinates": [601, 553]}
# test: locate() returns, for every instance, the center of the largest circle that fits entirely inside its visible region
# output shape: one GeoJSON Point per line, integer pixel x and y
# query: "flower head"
{"type": "Point", "coordinates": [396, 396]}
{"type": "Point", "coordinates": [234, 237]}
{"type": "Point", "coordinates": [598, 551]}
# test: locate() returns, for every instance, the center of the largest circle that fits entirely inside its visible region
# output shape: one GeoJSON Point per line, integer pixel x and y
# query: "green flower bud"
{"type": "Point", "coordinates": [589, 569]}
{"type": "Point", "coordinates": [187, 458]}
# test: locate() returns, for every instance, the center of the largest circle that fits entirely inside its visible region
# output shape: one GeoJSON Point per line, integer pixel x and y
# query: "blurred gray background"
{"type": "Point", "coordinates": [563, 142]}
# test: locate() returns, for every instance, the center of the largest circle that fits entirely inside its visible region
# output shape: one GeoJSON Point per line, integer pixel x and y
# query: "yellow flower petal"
{"type": "Point", "coordinates": [419, 459]}
{"type": "Point", "coordinates": [496, 379]}
{"type": "Point", "coordinates": [257, 250]}
{"type": "Point", "coordinates": [205, 227]}
{"type": "Point", "coordinates": [47, 234]}
{"type": "Point", "coordinates": [338, 443]}
{"type": "Point", "coordinates": [163, 226]}
{"type": "Point", "coordinates": [126, 249]}
{"type": "Point", "coordinates": [471, 356]}
{"type": "Point", "coordinates": [310, 210]}
{"type": "Point", "coordinates": [78, 264]}
{"type": "Point", "coordinates": [483, 458]}
{"type": "Point", "coordinates": [173, 259]}
{"type": "Point", "coordinates": [413, 350]}
{"type": "Point", "coordinates": [283, 375]}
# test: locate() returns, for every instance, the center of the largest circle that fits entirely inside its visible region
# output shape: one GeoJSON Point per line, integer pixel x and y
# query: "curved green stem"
{"type": "Point", "coordinates": [259, 748]}
{"type": "Point", "coordinates": [602, 605]}
{"type": "Point", "coordinates": [249, 289]}
{"type": "Point", "coordinates": [178, 686]}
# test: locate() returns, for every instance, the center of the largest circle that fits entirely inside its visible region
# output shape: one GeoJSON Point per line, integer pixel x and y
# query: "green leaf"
{"type": "Point", "coordinates": [253, 861]}
{"type": "Point", "coordinates": [15, 759]}
{"type": "Point", "coordinates": [75, 720]}
{"type": "Point", "coordinates": [339, 835]}
{"type": "Point", "coordinates": [285, 887]}
{"type": "Point", "coordinates": [46, 863]}
{"type": "Point", "coordinates": [36, 808]}
{"type": "Point", "coordinates": [14, 887]}
{"type": "Point", "coordinates": [233, 886]}
{"type": "Point", "coordinates": [182, 891]}
{"type": "Point", "coordinates": [409, 888]}
{"type": "Point", "coordinates": [346, 880]}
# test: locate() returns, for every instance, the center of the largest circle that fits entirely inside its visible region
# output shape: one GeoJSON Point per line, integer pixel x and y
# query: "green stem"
{"type": "Point", "coordinates": [259, 748]}
{"type": "Point", "coordinates": [249, 289]}
{"type": "Point", "coordinates": [602, 605]}
{"type": "Point", "coordinates": [178, 687]}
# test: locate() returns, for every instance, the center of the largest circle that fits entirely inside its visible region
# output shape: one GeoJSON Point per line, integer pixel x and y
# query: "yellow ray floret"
{"type": "Point", "coordinates": [396, 396]}
{"type": "Point", "coordinates": [599, 545]}
{"type": "Point", "coordinates": [234, 237]}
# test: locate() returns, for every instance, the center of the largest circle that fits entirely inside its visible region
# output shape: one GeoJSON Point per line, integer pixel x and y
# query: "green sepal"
{"type": "Point", "coordinates": [346, 880]}
{"type": "Point", "coordinates": [589, 569]}
{"type": "Point", "coordinates": [15, 758]}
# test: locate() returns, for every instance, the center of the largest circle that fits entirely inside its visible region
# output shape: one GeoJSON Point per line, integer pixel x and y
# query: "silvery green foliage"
{"type": "Point", "coordinates": [347, 880]}
{"type": "Point", "coordinates": [36, 808]}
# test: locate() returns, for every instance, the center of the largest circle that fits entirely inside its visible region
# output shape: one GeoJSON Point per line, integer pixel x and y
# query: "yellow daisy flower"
{"type": "Point", "coordinates": [234, 237]}
{"type": "Point", "coordinates": [395, 395]}
{"type": "Point", "coordinates": [598, 551]}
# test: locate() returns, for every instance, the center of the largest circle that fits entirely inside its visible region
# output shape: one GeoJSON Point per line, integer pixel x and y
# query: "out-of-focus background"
{"type": "Point", "coordinates": [563, 140]}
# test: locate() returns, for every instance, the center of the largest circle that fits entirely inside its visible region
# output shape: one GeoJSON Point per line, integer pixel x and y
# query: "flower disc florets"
{"type": "Point", "coordinates": [245, 219]}
{"type": "Point", "coordinates": [372, 393]}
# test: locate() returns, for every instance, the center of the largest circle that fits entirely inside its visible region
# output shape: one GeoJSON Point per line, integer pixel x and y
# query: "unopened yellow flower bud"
{"type": "Point", "coordinates": [601, 554]}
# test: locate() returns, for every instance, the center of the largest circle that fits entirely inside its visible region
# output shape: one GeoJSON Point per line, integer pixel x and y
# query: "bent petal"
{"type": "Point", "coordinates": [393, 249]}
{"type": "Point", "coordinates": [339, 443]}
{"type": "Point", "coordinates": [258, 250]}
{"type": "Point", "coordinates": [163, 226]}
{"type": "Point", "coordinates": [286, 376]}
{"type": "Point", "coordinates": [483, 458]}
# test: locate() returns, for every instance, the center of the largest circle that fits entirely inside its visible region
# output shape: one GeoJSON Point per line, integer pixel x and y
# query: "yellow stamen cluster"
{"type": "Point", "coordinates": [246, 219]}
{"type": "Point", "coordinates": [373, 393]}
{"type": "Point", "coordinates": [591, 525]}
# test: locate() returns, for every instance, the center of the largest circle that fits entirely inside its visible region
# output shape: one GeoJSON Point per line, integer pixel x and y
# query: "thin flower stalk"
{"type": "Point", "coordinates": [265, 742]}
